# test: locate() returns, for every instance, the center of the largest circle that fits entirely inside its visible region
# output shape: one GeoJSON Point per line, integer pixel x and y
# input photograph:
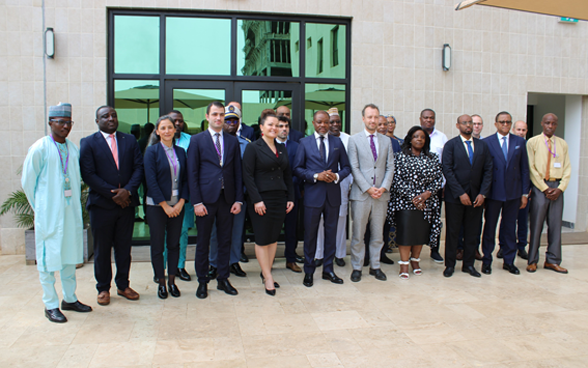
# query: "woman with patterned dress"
{"type": "Point", "coordinates": [413, 207]}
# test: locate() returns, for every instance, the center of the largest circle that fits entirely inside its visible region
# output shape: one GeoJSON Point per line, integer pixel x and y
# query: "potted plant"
{"type": "Point", "coordinates": [18, 204]}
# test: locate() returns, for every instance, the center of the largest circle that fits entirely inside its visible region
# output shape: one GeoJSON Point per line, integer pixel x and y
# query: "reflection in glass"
{"type": "Point", "coordinates": [136, 102]}
{"type": "Point", "coordinates": [323, 97]}
{"type": "Point", "coordinates": [265, 48]}
{"type": "Point", "coordinates": [192, 104]}
{"type": "Point", "coordinates": [255, 101]}
{"type": "Point", "coordinates": [198, 46]}
{"type": "Point", "coordinates": [136, 44]}
{"type": "Point", "coordinates": [326, 59]}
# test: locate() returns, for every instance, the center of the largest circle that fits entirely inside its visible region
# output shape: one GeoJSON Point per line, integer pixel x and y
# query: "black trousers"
{"type": "Point", "coordinates": [112, 228]}
{"type": "Point", "coordinates": [456, 215]}
{"type": "Point", "coordinates": [159, 224]}
{"type": "Point", "coordinates": [367, 237]}
{"type": "Point", "coordinates": [221, 211]}
{"type": "Point", "coordinates": [291, 234]}
{"type": "Point", "coordinates": [311, 223]}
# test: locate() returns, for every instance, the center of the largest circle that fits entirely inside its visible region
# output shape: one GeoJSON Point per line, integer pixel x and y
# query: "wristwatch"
{"type": "Point", "coordinates": [315, 176]}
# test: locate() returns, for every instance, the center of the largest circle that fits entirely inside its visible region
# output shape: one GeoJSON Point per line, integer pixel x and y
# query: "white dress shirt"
{"type": "Point", "coordinates": [375, 134]}
{"type": "Point", "coordinates": [318, 144]}
{"type": "Point", "coordinates": [466, 145]}
{"type": "Point", "coordinates": [438, 140]}
{"type": "Point", "coordinates": [501, 141]}
{"type": "Point", "coordinates": [109, 140]}
{"type": "Point", "coordinates": [222, 142]}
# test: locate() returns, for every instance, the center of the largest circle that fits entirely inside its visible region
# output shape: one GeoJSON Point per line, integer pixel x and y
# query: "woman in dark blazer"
{"type": "Point", "coordinates": [167, 191]}
{"type": "Point", "coordinates": [268, 178]}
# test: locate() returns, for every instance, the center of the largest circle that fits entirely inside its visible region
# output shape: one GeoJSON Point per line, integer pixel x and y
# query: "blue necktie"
{"type": "Point", "coordinates": [470, 152]}
{"type": "Point", "coordinates": [504, 148]}
{"type": "Point", "coordinates": [323, 150]}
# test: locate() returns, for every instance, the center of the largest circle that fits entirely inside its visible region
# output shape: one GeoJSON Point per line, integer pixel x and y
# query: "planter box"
{"type": "Point", "coordinates": [31, 249]}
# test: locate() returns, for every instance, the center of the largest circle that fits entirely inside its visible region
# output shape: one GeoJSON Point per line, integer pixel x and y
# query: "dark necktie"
{"type": "Point", "coordinates": [504, 148]}
{"type": "Point", "coordinates": [323, 149]}
{"type": "Point", "coordinates": [218, 148]}
{"type": "Point", "coordinates": [373, 147]}
{"type": "Point", "coordinates": [470, 152]}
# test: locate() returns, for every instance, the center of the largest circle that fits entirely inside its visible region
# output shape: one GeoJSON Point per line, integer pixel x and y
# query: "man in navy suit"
{"type": "Point", "coordinates": [291, 221]}
{"type": "Point", "coordinates": [112, 165]}
{"type": "Point", "coordinates": [467, 167]}
{"type": "Point", "coordinates": [322, 162]}
{"type": "Point", "coordinates": [244, 130]}
{"type": "Point", "coordinates": [294, 135]}
{"type": "Point", "coordinates": [216, 190]}
{"type": "Point", "coordinates": [510, 191]}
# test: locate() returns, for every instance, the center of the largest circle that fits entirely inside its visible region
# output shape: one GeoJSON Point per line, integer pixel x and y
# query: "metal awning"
{"type": "Point", "coordinates": [577, 9]}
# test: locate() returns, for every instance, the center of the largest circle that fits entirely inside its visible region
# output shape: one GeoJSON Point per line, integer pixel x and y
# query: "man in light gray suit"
{"type": "Point", "coordinates": [372, 167]}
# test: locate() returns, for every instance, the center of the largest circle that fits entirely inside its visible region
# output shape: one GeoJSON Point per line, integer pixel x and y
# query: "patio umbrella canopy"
{"type": "Point", "coordinates": [577, 9]}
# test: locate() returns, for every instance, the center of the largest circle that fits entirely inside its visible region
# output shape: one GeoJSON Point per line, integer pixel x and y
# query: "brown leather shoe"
{"type": "Point", "coordinates": [479, 256]}
{"type": "Point", "coordinates": [459, 255]}
{"type": "Point", "coordinates": [294, 267]}
{"type": "Point", "coordinates": [104, 298]}
{"type": "Point", "coordinates": [532, 267]}
{"type": "Point", "coordinates": [555, 267]}
{"type": "Point", "coordinates": [128, 293]}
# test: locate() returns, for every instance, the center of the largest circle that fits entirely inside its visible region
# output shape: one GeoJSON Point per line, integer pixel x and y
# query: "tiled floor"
{"type": "Point", "coordinates": [502, 320]}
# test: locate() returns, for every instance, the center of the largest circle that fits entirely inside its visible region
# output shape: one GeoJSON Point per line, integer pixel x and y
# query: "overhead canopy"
{"type": "Point", "coordinates": [577, 9]}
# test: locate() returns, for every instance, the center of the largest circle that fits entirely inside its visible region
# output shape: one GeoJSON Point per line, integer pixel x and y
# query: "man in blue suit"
{"type": "Point", "coordinates": [322, 162]}
{"type": "Point", "coordinates": [294, 135]}
{"type": "Point", "coordinates": [112, 165]}
{"type": "Point", "coordinates": [291, 221]}
{"type": "Point", "coordinates": [216, 191]}
{"type": "Point", "coordinates": [510, 190]}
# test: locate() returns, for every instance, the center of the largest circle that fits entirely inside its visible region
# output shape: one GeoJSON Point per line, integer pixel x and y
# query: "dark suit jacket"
{"type": "Point", "coordinates": [511, 178]}
{"type": "Point", "coordinates": [205, 174]}
{"type": "Point", "coordinates": [395, 145]}
{"type": "Point", "coordinates": [292, 148]}
{"type": "Point", "coordinates": [295, 135]}
{"type": "Point", "coordinates": [264, 172]}
{"type": "Point", "coordinates": [308, 162]}
{"type": "Point", "coordinates": [463, 177]}
{"type": "Point", "coordinates": [158, 174]}
{"type": "Point", "coordinates": [99, 170]}
{"type": "Point", "coordinates": [247, 132]}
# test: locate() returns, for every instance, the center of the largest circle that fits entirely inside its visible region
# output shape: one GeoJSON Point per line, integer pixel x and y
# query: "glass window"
{"type": "Point", "coordinates": [136, 103]}
{"type": "Point", "coordinates": [198, 46]}
{"type": "Point", "coordinates": [327, 61]}
{"type": "Point", "coordinates": [255, 101]}
{"type": "Point", "coordinates": [136, 44]}
{"type": "Point", "coordinates": [323, 97]}
{"type": "Point", "coordinates": [267, 48]}
{"type": "Point", "coordinates": [192, 104]}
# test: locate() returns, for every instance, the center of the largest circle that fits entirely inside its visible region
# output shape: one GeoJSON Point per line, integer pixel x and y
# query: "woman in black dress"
{"type": "Point", "coordinates": [268, 179]}
{"type": "Point", "coordinates": [413, 207]}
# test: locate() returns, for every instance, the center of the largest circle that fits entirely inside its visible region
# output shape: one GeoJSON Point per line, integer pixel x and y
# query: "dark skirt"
{"type": "Point", "coordinates": [411, 228]}
{"type": "Point", "coordinates": [267, 228]}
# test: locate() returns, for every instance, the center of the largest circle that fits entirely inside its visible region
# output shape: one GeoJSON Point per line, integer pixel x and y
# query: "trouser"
{"type": "Point", "coordinates": [112, 228]}
{"type": "Point", "coordinates": [340, 242]}
{"type": "Point", "coordinates": [311, 226]}
{"type": "Point", "coordinates": [373, 211]}
{"type": "Point", "coordinates": [508, 211]}
{"type": "Point", "coordinates": [68, 286]}
{"type": "Point", "coordinates": [456, 215]}
{"type": "Point", "coordinates": [543, 209]}
{"type": "Point", "coordinates": [187, 224]}
{"type": "Point", "coordinates": [162, 230]}
{"type": "Point", "coordinates": [291, 233]}
{"type": "Point", "coordinates": [368, 235]}
{"type": "Point", "coordinates": [236, 239]}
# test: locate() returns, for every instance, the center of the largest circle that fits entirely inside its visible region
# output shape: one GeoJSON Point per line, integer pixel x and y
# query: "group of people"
{"type": "Point", "coordinates": [217, 177]}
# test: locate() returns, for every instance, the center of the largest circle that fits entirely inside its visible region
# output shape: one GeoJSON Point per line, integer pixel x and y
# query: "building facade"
{"type": "Point", "coordinates": [146, 57]}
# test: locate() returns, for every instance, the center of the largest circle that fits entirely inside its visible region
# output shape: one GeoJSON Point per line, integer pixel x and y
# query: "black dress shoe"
{"type": "Point", "coordinates": [237, 270]}
{"type": "Point", "coordinates": [202, 291]}
{"type": "Point", "coordinates": [356, 276]}
{"type": "Point", "coordinates": [523, 254]}
{"type": "Point", "coordinates": [75, 306]}
{"type": "Point", "coordinates": [55, 315]}
{"type": "Point", "coordinates": [332, 277]}
{"type": "Point", "coordinates": [173, 290]}
{"type": "Point", "coordinates": [340, 262]}
{"type": "Point", "coordinates": [384, 259]}
{"type": "Point", "coordinates": [183, 274]}
{"type": "Point", "coordinates": [276, 285]}
{"type": "Point", "coordinates": [162, 292]}
{"type": "Point", "coordinates": [435, 256]}
{"type": "Point", "coordinates": [318, 262]}
{"type": "Point", "coordinates": [486, 269]}
{"type": "Point", "coordinates": [471, 270]}
{"type": "Point", "coordinates": [378, 274]}
{"type": "Point", "coordinates": [299, 259]}
{"type": "Point", "coordinates": [499, 253]}
{"type": "Point", "coordinates": [244, 258]}
{"type": "Point", "coordinates": [308, 280]}
{"type": "Point", "coordinates": [511, 268]}
{"type": "Point", "coordinates": [212, 273]}
{"type": "Point", "coordinates": [226, 286]}
{"type": "Point", "coordinates": [448, 272]}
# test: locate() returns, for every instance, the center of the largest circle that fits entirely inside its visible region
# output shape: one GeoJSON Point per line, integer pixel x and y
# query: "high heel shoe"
{"type": "Point", "coordinates": [270, 292]}
{"type": "Point", "coordinates": [276, 285]}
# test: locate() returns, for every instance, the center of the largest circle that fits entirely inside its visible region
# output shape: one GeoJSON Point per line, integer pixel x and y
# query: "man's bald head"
{"type": "Point", "coordinates": [284, 111]}
{"type": "Point", "coordinates": [520, 129]}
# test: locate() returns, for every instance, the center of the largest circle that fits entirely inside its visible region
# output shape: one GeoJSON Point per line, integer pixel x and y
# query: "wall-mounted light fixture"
{"type": "Point", "coordinates": [446, 62]}
{"type": "Point", "coordinates": [49, 43]}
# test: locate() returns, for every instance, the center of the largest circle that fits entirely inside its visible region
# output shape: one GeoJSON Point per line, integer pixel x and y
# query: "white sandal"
{"type": "Point", "coordinates": [403, 275]}
{"type": "Point", "coordinates": [416, 271]}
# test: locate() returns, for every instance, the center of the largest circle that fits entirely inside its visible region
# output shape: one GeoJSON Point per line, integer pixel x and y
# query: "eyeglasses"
{"type": "Point", "coordinates": [504, 122]}
{"type": "Point", "coordinates": [231, 121]}
{"type": "Point", "coordinates": [63, 122]}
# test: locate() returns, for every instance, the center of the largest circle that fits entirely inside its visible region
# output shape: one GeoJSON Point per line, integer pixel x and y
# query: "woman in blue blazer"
{"type": "Point", "coordinates": [167, 191]}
